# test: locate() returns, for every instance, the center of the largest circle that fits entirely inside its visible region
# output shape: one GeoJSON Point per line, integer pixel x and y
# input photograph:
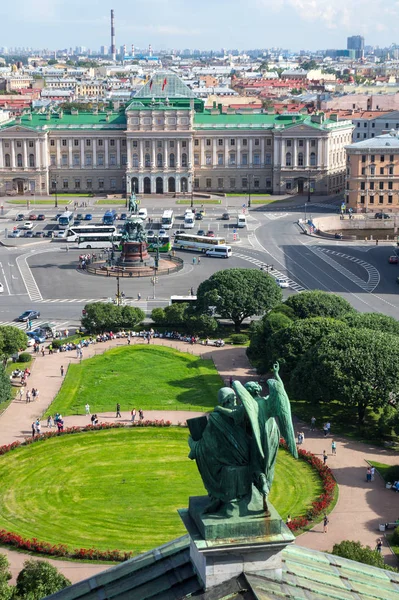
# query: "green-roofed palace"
{"type": "Point", "coordinates": [166, 142]}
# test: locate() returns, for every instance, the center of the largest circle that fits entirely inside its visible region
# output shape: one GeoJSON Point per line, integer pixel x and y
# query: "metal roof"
{"type": "Point", "coordinates": [165, 84]}
{"type": "Point", "coordinates": [380, 142]}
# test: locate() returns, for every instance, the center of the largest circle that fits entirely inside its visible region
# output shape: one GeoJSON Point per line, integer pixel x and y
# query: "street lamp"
{"type": "Point", "coordinates": [127, 190]}
{"type": "Point", "coordinates": [309, 186]}
{"type": "Point", "coordinates": [249, 190]}
{"type": "Point", "coordinates": [56, 195]}
{"type": "Point", "coordinates": [118, 295]}
{"type": "Point", "coordinates": [192, 191]}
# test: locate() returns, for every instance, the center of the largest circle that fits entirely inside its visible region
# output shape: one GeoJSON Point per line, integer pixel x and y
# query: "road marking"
{"type": "Point", "coordinates": [28, 279]}
{"type": "Point", "coordinates": [36, 323]}
{"type": "Point", "coordinates": [5, 279]}
{"type": "Point", "coordinates": [261, 264]}
{"type": "Point", "coordinates": [373, 274]}
{"type": "Point", "coordinates": [274, 216]}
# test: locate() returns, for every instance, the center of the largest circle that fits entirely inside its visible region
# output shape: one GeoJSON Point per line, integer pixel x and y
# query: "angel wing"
{"type": "Point", "coordinates": [252, 410]}
{"type": "Point", "coordinates": [282, 411]}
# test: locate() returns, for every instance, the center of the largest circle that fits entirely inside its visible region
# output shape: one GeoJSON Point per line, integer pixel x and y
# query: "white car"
{"type": "Point", "coordinates": [1, 288]}
{"type": "Point", "coordinates": [143, 213]}
{"type": "Point", "coordinates": [27, 225]}
{"type": "Point", "coordinates": [162, 233]}
{"type": "Point", "coordinates": [281, 282]}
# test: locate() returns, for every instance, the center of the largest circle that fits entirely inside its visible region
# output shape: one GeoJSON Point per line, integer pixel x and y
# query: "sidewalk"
{"type": "Point", "coordinates": [360, 508]}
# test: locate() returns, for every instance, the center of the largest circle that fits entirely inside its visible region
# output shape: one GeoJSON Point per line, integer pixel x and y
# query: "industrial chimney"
{"type": "Point", "coordinates": [113, 47]}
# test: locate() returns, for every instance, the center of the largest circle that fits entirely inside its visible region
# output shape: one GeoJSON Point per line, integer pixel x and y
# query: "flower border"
{"type": "Point", "coordinates": [319, 506]}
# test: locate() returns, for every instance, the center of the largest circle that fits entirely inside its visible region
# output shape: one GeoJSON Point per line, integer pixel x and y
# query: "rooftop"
{"type": "Point", "coordinates": [207, 120]}
{"type": "Point", "coordinates": [165, 84]}
{"type": "Point", "coordinates": [379, 142]}
{"type": "Point", "coordinates": [82, 120]}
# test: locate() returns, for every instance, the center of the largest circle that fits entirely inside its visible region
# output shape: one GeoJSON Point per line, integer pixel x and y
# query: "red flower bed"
{"type": "Point", "coordinates": [321, 504]}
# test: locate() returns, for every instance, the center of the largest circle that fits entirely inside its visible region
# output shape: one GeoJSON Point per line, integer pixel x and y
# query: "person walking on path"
{"type": "Point", "coordinates": [141, 414]}
{"type": "Point", "coordinates": [379, 545]}
{"type": "Point", "coordinates": [325, 524]}
{"type": "Point", "coordinates": [21, 394]}
{"type": "Point", "coordinates": [372, 473]}
{"type": "Point", "coordinates": [27, 396]}
{"type": "Point", "coordinates": [325, 456]}
{"type": "Point", "coordinates": [368, 475]}
{"type": "Point", "coordinates": [312, 423]}
{"type": "Point", "coordinates": [62, 370]}
{"type": "Point", "coordinates": [328, 425]}
{"type": "Point", "coordinates": [333, 448]}
{"type": "Point", "coordinates": [33, 429]}
{"type": "Point", "coordinates": [118, 411]}
{"type": "Point", "coordinates": [49, 422]}
{"type": "Point", "coordinates": [133, 414]}
{"type": "Point", "coordinates": [87, 408]}
{"type": "Point", "coordinates": [325, 429]}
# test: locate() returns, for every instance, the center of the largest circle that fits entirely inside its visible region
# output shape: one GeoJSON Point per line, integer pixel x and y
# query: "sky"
{"type": "Point", "coordinates": [203, 24]}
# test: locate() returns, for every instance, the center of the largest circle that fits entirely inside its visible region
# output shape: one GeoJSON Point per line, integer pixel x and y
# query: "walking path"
{"type": "Point", "coordinates": [360, 508]}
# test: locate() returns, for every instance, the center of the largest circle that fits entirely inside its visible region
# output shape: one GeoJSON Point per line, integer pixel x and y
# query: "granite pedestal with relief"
{"type": "Point", "coordinates": [224, 547]}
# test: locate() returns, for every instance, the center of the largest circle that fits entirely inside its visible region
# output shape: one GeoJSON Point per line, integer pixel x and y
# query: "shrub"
{"type": "Point", "coordinates": [57, 344]}
{"type": "Point", "coordinates": [24, 357]}
{"type": "Point", "coordinates": [395, 537]}
{"type": "Point", "coordinates": [239, 338]}
{"type": "Point", "coordinates": [363, 554]}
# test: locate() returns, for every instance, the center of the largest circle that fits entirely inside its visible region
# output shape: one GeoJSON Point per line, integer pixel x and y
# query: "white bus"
{"type": "Point", "coordinates": [93, 240]}
{"type": "Point", "coordinates": [167, 219]}
{"type": "Point", "coordinates": [75, 231]}
{"type": "Point", "coordinates": [199, 243]}
{"type": "Point", "coordinates": [65, 219]}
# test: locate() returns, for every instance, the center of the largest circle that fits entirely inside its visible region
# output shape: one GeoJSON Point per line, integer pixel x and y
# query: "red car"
{"type": "Point", "coordinates": [393, 260]}
{"type": "Point", "coordinates": [210, 234]}
{"type": "Point", "coordinates": [32, 217]}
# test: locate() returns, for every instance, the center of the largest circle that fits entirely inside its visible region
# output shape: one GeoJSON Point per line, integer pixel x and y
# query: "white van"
{"type": "Point", "coordinates": [189, 222]}
{"type": "Point", "coordinates": [241, 221]}
{"type": "Point", "coordinates": [219, 252]}
{"type": "Point", "coordinates": [142, 213]}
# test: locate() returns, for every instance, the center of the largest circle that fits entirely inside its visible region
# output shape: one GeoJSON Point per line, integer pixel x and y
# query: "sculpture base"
{"type": "Point", "coordinates": [249, 522]}
{"type": "Point", "coordinates": [216, 560]}
{"type": "Point", "coordinates": [135, 254]}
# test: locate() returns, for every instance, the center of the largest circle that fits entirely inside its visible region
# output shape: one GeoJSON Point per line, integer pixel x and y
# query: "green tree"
{"type": "Point", "coordinates": [375, 321]}
{"type": "Point", "coordinates": [130, 316]}
{"type": "Point", "coordinates": [203, 325]}
{"type": "Point", "coordinates": [357, 367]}
{"type": "Point", "coordinates": [12, 340]}
{"type": "Point", "coordinates": [363, 554]}
{"type": "Point", "coordinates": [238, 294]}
{"type": "Point", "coordinates": [39, 579]}
{"type": "Point", "coordinates": [309, 65]}
{"type": "Point", "coordinates": [6, 591]}
{"type": "Point", "coordinates": [261, 333]}
{"type": "Point", "coordinates": [175, 314]}
{"type": "Point", "coordinates": [105, 316]}
{"type": "Point", "coordinates": [318, 304]}
{"type": "Point", "coordinates": [5, 385]}
{"type": "Point", "coordinates": [158, 316]}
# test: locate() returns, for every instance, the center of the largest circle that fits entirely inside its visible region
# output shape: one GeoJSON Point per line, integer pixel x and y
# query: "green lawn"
{"type": "Point", "coordinates": [11, 366]}
{"type": "Point", "coordinates": [200, 201]}
{"type": "Point", "coordinates": [388, 472]}
{"type": "Point", "coordinates": [119, 489]}
{"type": "Point", "coordinates": [112, 201]}
{"type": "Point", "coordinates": [38, 202]}
{"type": "Point", "coordinates": [147, 377]}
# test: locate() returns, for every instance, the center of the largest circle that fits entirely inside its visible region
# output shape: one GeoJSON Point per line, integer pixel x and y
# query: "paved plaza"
{"type": "Point", "coordinates": [361, 506]}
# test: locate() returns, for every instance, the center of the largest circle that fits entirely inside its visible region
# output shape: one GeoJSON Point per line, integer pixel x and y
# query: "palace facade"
{"type": "Point", "coordinates": [166, 142]}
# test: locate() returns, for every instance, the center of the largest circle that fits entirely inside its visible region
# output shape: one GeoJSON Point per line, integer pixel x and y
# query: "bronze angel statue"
{"type": "Point", "coordinates": [236, 448]}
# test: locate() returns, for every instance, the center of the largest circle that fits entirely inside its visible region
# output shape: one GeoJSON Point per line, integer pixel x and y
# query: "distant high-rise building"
{"type": "Point", "coordinates": [104, 50]}
{"type": "Point", "coordinates": [356, 42]}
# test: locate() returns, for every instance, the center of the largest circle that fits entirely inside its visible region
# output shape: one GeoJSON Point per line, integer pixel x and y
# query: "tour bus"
{"type": "Point", "coordinates": [219, 252]}
{"type": "Point", "coordinates": [110, 217]}
{"type": "Point", "coordinates": [93, 240]}
{"type": "Point", "coordinates": [75, 231]}
{"type": "Point", "coordinates": [189, 222]}
{"type": "Point", "coordinates": [199, 243]}
{"type": "Point", "coordinates": [162, 242]}
{"type": "Point", "coordinates": [65, 220]}
{"type": "Point", "coordinates": [181, 299]}
{"type": "Point", "coordinates": [167, 219]}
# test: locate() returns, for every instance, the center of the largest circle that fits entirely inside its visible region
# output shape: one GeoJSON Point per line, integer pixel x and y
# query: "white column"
{"type": "Point", "coordinates": [106, 152]}
{"type": "Point", "coordinates": [165, 156]}
{"type": "Point", "coordinates": [238, 161]}
{"type": "Point", "coordinates": [190, 153]}
{"type": "Point", "coordinates": [70, 162]}
{"type": "Point", "coordinates": [178, 154]}
{"type": "Point", "coordinates": [165, 184]}
{"type": "Point", "coordinates": [94, 144]}
{"type": "Point", "coordinates": [44, 149]}
{"type": "Point", "coordinates": [214, 153]}
{"type": "Point", "coordinates": [202, 152]}
{"type": "Point", "coordinates": [307, 154]}
{"type": "Point", "coordinates": [226, 152]}
{"type": "Point", "coordinates": [251, 160]}
{"type": "Point", "coordinates": [262, 151]}
{"type": "Point", "coordinates": [141, 182]}
{"type": "Point", "coordinates": [153, 183]}
{"type": "Point", "coordinates": [153, 158]}
{"type": "Point", "coordinates": [1, 155]}
{"type": "Point", "coordinates": [82, 154]}
{"type": "Point", "coordinates": [12, 154]}
{"type": "Point", "coordinates": [141, 158]}
{"type": "Point", "coordinates": [25, 155]}
{"type": "Point", "coordinates": [282, 158]}
{"type": "Point", "coordinates": [58, 153]}
{"type": "Point", "coordinates": [118, 152]}
{"type": "Point", "coordinates": [38, 158]}
{"type": "Point", "coordinates": [129, 154]}
{"type": "Point", "coordinates": [295, 157]}
{"type": "Point", "coordinates": [318, 157]}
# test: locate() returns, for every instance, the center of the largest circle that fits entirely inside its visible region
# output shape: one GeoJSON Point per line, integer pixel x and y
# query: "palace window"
{"type": "Point", "coordinates": [220, 159]}
{"type": "Point", "coordinates": [196, 159]}
{"type": "Point", "coordinates": [220, 183]}
{"type": "Point", "coordinates": [147, 160]}
{"type": "Point", "coordinates": [76, 142]}
{"type": "Point", "coordinates": [208, 183]}
{"type": "Point", "coordinates": [390, 199]}
{"type": "Point", "coordinates": [184, 160]}
{"type": "Point", "coordinates": [100, 159]}
{"type": "Point", "coordinates": [268, 159]}
{"type": "Point", "coordinates": [77, 184]}
{"type": "Point", "coordinates": [288, 159]}
{"type": "Point", "coordinates": [300, 159]}
{"type": "Point", "coordinates": [208, 159]}
{"type": "Point", "coordinates": [112, 160]}
{"type": "Point", "coordinates": [101, 184]}
{"type": "Point", "coordinates": [312, 159]}
{"type": "Point", "coordinates": [171, 160]}
{"type": "Point", "coordinates": [112, 142]}
{"type": "Point", "coordinates": [232, 158]}
{"type": "Point", "coordinates": [64, 142]}
{"type": "Point", "coordinates": [31, 160]}
{"type": "Point", "coordinates": [19, 160]}
{"type": "Point", "coordinates": [135, 161]}
{"type": "Point", "coordinates": [88, 143]}
{"type": "Point", "coordinates": [89, 184]}
{"type": "Point", "coordinates": [244, 159]}
{"type": "Point", "coordinates": [256, 159]}
{"type": "Point", "coordinates": [220, 142]}
{"type": "Point", "coordinates": [76, 160]}
{"type": "Point", "coordinates": [7, 160]}
{"type": "Point", "coordinates": [232, 183]}
{"type": "Point", "coordinates": [65, 184]}
{"type": "Point", "coordinates": [52, 160]}
{"type": "Point", "coordinates": [159, 159]}
{"type": "Point", "coordinates": [113, 183]}
{"type": "Point", "coordinates": [31, 144]}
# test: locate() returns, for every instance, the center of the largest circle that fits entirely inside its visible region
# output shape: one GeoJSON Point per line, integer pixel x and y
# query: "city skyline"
{"type": "Point", "coordinates": [294, 24]}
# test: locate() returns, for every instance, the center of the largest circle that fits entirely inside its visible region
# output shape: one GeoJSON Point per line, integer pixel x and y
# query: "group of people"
{"type": "Point", "coordinates": [301, 438]}
{"type": "Point", "coordinates": [21, 374]}
{"type": "Point", "coordinates": [30, 396]}
{"type": "Point", "coordinates": [370, 474]}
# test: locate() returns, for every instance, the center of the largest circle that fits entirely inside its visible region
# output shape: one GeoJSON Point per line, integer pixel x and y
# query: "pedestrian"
{"type": "Point", "coordinates": [325, 456]}
{"type": "Point", "coordinates": [372, 472]}
{"type": "Point", "coordinates": [118, 411]}
{"type": "Point", "coordinates": [199, 260]}
{"type": "Point", "coordinates": [87, 408]}
{"type": "Point", "coordinates": [325, 429]}
{"type": "Point", "coordinates": [42, 350]}
{"type": "Point", "coordinates": [325, 524]}
{"type": "Point", "coordinates": [328, 424]}
{"type": "Point", "coordinates": [379, 545]}
{"type": "Point", "coordinates": [33, 429]}
{"type": "Point", "coordinates": [62, 370]}
{"type": "Point", "coordinates": [299, 438]}
{"type": "Point", "coordinates": [21, 394]}
{"type": "Point", "coordinates": [333, 448]}
{"type": "Point", "coordinates": [148, 337]}
{"type": "Point", "coordinates": [133, 414]}
{"type": "Point", "coordinates": [128, 339]}
{"type": "Point", "coordinates": [33, 392]}
{"type": "Point", "coordinates": [192, 291]}
{"type": "Point", "coordinates": [38, 427]}
{"type": "Point", "coordinates": [141, 414]}
{"type": "Point", "coordinates": [312, 423]}
{"type": "Point", "coordinates": [49, 421]}
{"type": "Point", "coordinates": [139, 296]}
{"type": "Point", "coordinates": [27, 396]}
{"type": "Point", "coordinates": [368, 475]}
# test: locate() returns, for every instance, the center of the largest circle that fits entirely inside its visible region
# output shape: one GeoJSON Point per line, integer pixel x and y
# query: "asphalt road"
{"type": "Point", "coordinates": [40, 274]}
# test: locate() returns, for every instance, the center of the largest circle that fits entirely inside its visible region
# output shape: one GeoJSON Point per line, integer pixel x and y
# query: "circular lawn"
{"type": "Point", "coordinates": [119, 489]}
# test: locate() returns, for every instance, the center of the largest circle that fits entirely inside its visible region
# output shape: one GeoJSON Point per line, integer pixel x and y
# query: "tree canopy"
{"type": "Point", "coordinates": [104, 316]}
{"type": "Point", "coordinates": [39, 579]}
{"type": "Point", "coordinates": [363, 554]}
{"type": "Point", "coordinates": [12, 340]}
{"type": "Point", "coordinates": [374, 321]}
{"type": "Point", "coordinates": [237, 294]}
{"type": "Point", "coordinates": [319, 304]}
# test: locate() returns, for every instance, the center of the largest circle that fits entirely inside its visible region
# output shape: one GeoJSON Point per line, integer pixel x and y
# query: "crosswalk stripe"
{"type": "Point", "coordinates": [36, 323]}
{"type": "Point", "coordinates": [277, 274]}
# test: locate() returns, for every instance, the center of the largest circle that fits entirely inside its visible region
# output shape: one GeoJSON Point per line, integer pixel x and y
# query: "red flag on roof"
{"type": "Point", "coordinates": [165, 81]}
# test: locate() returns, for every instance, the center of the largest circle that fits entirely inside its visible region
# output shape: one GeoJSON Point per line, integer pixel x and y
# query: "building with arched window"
{"type": "Point", "coordinates": [167, 142]}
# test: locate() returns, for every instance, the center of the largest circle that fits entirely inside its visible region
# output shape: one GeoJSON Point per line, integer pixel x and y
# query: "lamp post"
{"type": "Point", "coordinates": [127, 190]}
{"type": "Point", "coordinates": [192, 191]}
{"type": "Point", "coordinates": [56, 196]}
{"type": "Point", "coordinates": [309, 186]}
{"type": "Point", "coordinates": [249, 190]}
{"type": "Point", "coordinates": [118, 295]}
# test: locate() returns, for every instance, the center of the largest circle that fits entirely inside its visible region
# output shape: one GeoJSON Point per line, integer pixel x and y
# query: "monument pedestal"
{"type": "Point", "coordinates": [224, 547]}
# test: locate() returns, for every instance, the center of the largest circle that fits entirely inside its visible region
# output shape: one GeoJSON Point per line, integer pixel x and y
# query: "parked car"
{"type": "Point", "coordinates": [88, 217]}
{"type": "Point", "coordinates": [393, 260]}
{"type": "Point", "coordinates": [28, 315]}
{"type": "Point", "coordinates": [38, 335]}
{"type": "Point", "coordinates": [123, 217]}
{"type": "Point", "coordinates": [20, 217]}
{"type": "Point", "coordinates": [225, 217]}
{"type": "Point", "coordinates": [143, 213]}
{"type": "Point", "coordinates": [150, 233]}
{"type": "Point", "coordinates": [80, 217]}
{"type": "Point", "coordinates": [38, 234]}
{"type": "Point", "coordinates": [28, 234]}
{"type": "Point", "coordinates": [381, 215]}
{"type": "Point", "coordinates": [33, 217]}
{"type": "Point", "coordinates": [16, 233]}
{"type": "Point", "coordinates": [210, 233]}
{"type": "Point", "coordinates": [162, 232]}
{"type": "Point", "coordinates": [41, 217]}
{"type": "Point", "coordinates": [281, 282]}
{"type": "Point", "coordinates": [1, 288]}
{"type": "Point", "coordinates": [26, 225]}
{"type": "Point", "coordinates": [200, 232]}
{"type": "Point", "coordinates": [199, 216]}
{"type": "Point", "coordinates": [76, 222]}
